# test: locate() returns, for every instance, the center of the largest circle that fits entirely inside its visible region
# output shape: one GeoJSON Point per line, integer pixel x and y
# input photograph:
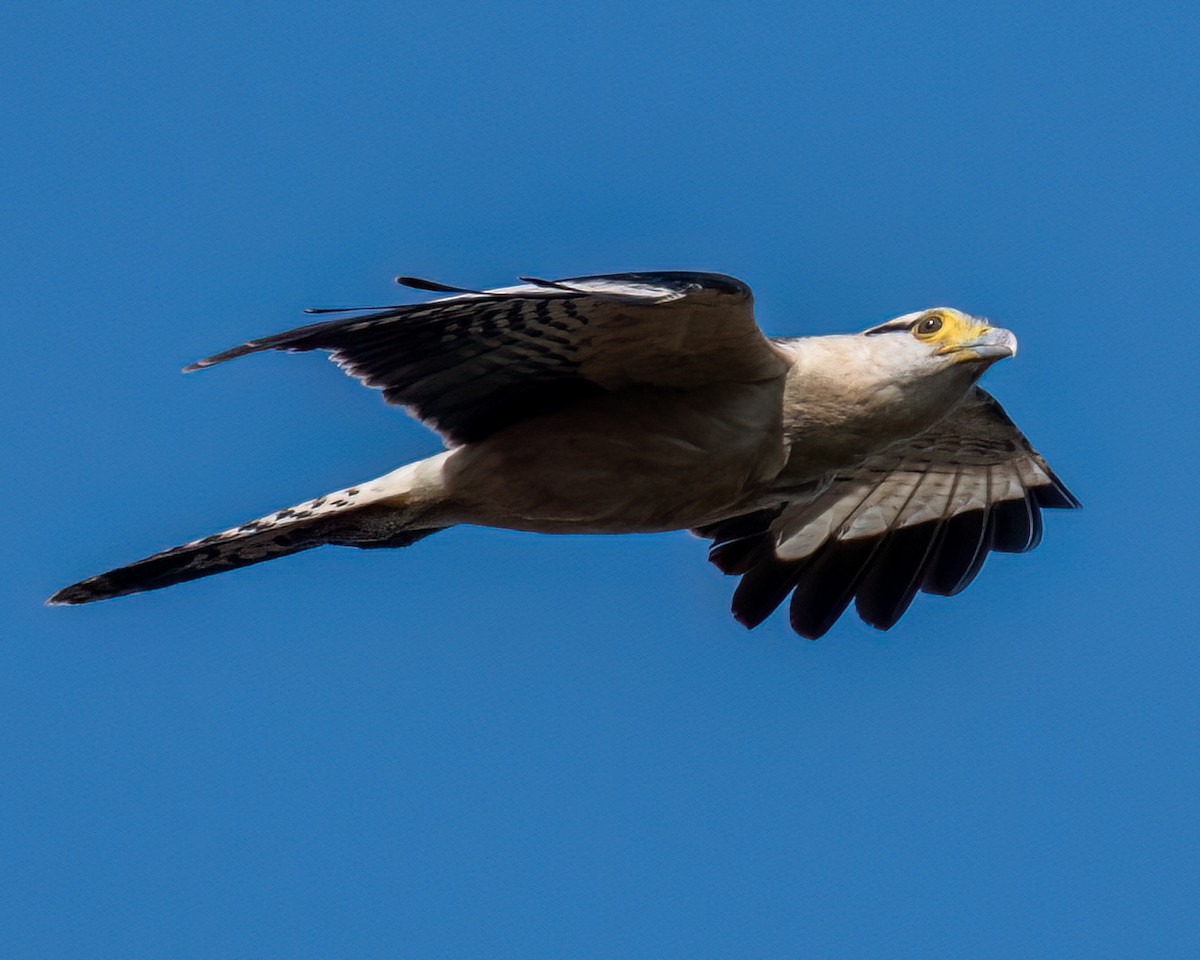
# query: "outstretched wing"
{"type": "Point", "coordinates": [921, 516]}
{"type": "Point", "coordinates": [472, 363]}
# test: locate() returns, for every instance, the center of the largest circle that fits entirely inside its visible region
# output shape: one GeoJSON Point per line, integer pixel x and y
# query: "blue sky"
{"type": "Point", "coordinates": [510, 746]}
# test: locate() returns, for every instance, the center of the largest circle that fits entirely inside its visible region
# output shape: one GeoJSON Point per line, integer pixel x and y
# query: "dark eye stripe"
{"type": "Point", "coordinates": [892, 326]}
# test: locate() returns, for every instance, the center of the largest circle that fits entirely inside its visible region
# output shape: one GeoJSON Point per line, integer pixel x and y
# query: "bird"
{"type": "Point", "coordinates": [862, 467]}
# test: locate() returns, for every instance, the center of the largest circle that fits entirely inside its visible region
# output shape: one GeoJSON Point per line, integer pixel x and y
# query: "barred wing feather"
{"type": "Point", "coordinates": [921, 516]}
{"type": "Point", "coordinates": [472, 363]}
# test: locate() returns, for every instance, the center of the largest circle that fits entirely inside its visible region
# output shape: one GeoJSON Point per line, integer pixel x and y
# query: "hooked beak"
{"type": "Point", "coordinates": [991, 344]}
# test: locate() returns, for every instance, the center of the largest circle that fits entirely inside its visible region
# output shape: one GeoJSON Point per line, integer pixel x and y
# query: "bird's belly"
{"type": "Point", "coordinates": [637, 461]}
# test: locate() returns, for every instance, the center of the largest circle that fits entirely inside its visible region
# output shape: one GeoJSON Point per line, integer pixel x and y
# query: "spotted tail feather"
{"type": "Point", "coordinates": [377, 514]}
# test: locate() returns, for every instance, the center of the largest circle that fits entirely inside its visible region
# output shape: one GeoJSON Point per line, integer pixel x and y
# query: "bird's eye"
{"type": "Point", "coordinates": [929, 326]}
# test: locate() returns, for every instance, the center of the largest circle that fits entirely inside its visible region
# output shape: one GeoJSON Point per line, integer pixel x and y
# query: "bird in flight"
{"type": "Point", "coordinates": [858, 467]}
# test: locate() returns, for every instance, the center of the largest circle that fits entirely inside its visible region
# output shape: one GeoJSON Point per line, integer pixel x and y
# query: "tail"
{"type": "Point", "coordinates": [394, 510]}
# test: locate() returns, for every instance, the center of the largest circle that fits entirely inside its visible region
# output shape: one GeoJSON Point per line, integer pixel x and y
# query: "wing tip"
{"type": "Point", "coordinates": [745, 620]}
{"type": "Point", "coordinates": [1055, 495]}
{"type": "Point", "coordinates": [250, 346]}
{"type": "Point", "coordinates": [85, 591]}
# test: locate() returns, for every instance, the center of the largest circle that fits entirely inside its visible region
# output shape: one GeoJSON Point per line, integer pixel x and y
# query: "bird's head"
{"type": "Point", "coordinates": [920, 365]}
{"type": "Point", "coordinates": [903, 375]}
{"type": "Point", "coordinates": [943, 339]}
{"type": "Point", "coordinates": [859, 391]}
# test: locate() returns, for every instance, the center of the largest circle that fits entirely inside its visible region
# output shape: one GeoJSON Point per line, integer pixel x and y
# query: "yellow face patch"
{"type": "Point", "coordinates": [949, 329]}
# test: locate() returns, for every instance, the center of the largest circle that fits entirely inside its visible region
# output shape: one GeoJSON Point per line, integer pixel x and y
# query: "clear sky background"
{"type": "Point", "coordinates": [500, 745]}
